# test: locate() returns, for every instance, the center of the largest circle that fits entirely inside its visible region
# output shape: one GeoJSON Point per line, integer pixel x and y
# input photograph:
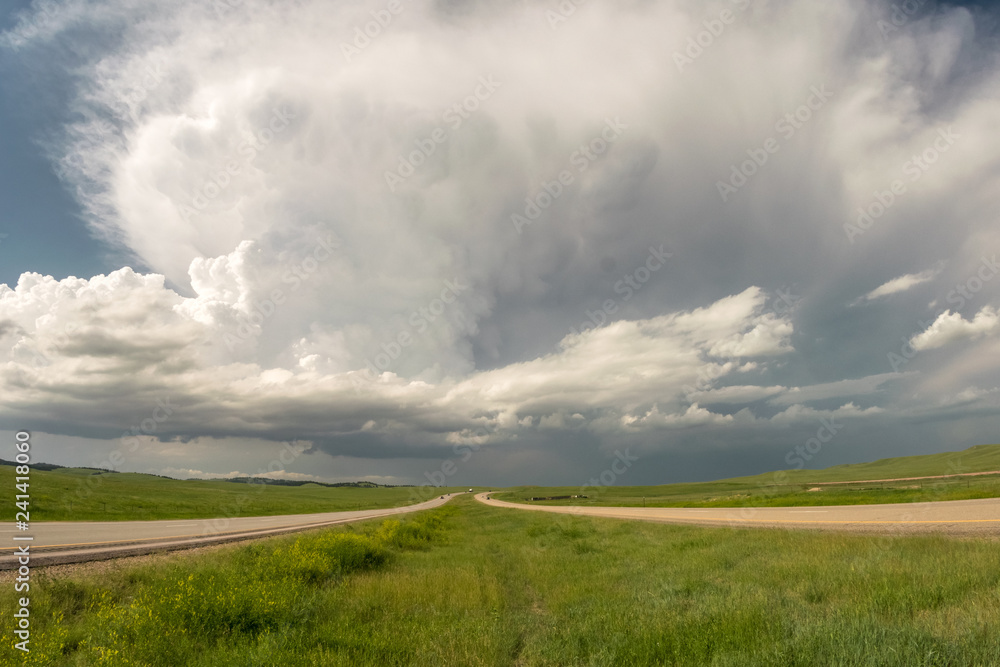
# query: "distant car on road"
{"type": "Point", "coordinates": [470, 490]}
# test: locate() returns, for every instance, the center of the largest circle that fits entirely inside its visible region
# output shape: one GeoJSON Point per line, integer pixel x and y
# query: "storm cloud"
{"type": "Point", "coordinates": [520, 235]}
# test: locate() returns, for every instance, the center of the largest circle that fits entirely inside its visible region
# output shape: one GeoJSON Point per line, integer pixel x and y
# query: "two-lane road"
{"type": "Point", "coordinates": [956, 517]}
{"type": "Point", "coordinates": [76, 541]}
{"type": "Point", "coordinates": [56, 542]}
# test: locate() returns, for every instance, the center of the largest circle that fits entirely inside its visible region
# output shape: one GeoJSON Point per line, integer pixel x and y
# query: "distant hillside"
{"type": "Point", "coordinates": [239, 480]}
{"type": "Point", "coordinates": [53, 466]}
{"type": "Point", "coordinates": [980, 458]}
{"type": "Point", "coordinates": [73, 494]}
{"type": "Point", "coordinates": [293, 482]}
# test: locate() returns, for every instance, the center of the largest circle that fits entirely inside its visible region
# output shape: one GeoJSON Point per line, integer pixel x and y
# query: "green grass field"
{"type": "Point", "coordinates": [71, 494]}
{"type": "Point", "coordinates": [472, 585]}
{"type": "Point", "coordinates": [799, 487]}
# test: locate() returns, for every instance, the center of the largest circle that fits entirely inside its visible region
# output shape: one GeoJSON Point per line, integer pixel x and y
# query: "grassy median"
{"type": "Point", "coordinates": [472, 585]}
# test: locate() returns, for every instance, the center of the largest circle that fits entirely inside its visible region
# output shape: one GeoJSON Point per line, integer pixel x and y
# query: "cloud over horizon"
{"type": "Point", "coordinates": [537, 237]}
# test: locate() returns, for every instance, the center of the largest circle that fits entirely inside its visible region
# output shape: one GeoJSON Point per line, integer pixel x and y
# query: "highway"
{"type": "Point", "coordinates": [954, 517]}
{"type": "Point", "coordinates": [60, 542]}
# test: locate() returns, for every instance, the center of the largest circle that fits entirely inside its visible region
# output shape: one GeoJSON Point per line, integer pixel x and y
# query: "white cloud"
{"type": "Point", "coordinates": [130, 340]}
{"type": "Point", "coordinates": [970, 395]}
{"type": "Point", "coordinates": [801, 413]}
{"type": "Point", "coordinates": [950, 327]}
{"type": "Point", "coordinates": [902, 283]}
{"type": "Point", "coordinates": [695, 415]}
{"type": "Point", "coordinates": [188, 473]}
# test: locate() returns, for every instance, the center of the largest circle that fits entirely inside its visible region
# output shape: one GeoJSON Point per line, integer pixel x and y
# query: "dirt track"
{"type": "Point", "coordinates": [953, 517]}
{"type": "Point", "coordinates": [908, 479]}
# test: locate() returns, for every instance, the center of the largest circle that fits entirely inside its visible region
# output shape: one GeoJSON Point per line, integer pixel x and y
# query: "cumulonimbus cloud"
{"type": "Point", "coordinates": [324, 213]}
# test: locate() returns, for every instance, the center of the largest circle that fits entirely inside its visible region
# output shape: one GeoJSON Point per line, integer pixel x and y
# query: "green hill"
{"type": "Point", "coordinates": [87, 494]}
{"type": "Point", "coordinates": [980, 458]}
{"type": "Point", "coordinates": [804, 487]}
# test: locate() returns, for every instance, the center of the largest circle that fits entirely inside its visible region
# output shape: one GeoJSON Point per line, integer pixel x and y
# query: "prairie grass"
{"type": "Point", "coordinates": [467, 584]}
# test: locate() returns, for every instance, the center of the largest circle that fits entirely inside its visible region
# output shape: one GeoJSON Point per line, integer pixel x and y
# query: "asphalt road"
{"type": "Point", "coordinates": [58, 542]}
{"type": "Point", "coordinates": [956, 517]}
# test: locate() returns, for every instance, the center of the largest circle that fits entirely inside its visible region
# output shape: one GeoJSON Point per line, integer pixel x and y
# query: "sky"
{"type": "Point", "coordinates": [498, 243]}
